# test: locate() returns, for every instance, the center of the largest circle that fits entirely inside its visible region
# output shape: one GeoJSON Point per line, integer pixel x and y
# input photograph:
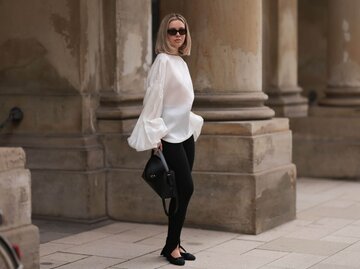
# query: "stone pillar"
{"type": "Point", "coordinates": [343, 55]}
{"type": "Point", "coordinates": [225, 60]}
{"type": "Point", "coordinates": [280, 64]}
{"type": "Point", "coordinates": [15, 205]}
{"type": "Point", "coordinates": [333, 127]}
{"type": "Point", "coordinates": [126, 55]}
{"type": "Point", "coordinates": [50, 68]}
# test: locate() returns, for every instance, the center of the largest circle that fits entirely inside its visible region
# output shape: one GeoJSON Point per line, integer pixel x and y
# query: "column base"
{"type": "Point", "coordinates": [341, 97]}
{"type": "Point", "coordinates": [243, 175]}
{"type": "Point", "coordinates": [232, 106]}
{"type": "Point", "coordinates": [326, 143]}
{"type": "Point", "coordinates": [287, 102]}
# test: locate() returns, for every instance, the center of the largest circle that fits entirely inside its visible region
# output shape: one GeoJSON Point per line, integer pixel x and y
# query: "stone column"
{"type": "Point", "coordinates": [15, 205]}
{"type": "Point", "coordinates": [126, 57]}
{"type": "Point", "coordinates": [244, 178]}
{"type": "Point", "coordinates": [333, 127]}
{"type": "Point", "coordinates": [280, 64]}
{"type": "Point", "coordinates": [226, 56]}
{"type": "Point", "coordinates": [343, 55]}
{"type": "Point", "coordinates": [50, 68]}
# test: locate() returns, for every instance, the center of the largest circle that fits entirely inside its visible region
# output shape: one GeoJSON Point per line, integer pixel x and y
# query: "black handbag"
{"type": "Point", "coordinates": [160, 178]}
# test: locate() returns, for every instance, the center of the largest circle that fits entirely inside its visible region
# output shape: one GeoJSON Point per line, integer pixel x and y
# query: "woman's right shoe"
{"type": "Point", "coordinates": [176, 261]}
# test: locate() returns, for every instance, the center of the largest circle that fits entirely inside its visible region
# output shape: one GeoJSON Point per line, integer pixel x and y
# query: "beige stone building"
{"type": "Point", "coordinates": [76, 69]}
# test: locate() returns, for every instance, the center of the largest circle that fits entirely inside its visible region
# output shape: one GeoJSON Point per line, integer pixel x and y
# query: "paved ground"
{"type": "Point", "coordinates": [325, 235]}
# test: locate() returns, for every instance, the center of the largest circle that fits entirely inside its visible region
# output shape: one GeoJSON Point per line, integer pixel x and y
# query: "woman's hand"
{"type": "Point", "coordinates": [159, 147]}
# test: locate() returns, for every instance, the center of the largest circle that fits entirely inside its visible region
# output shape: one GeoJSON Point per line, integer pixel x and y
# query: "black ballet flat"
{"type": "Point", "coordinates": [176, 261]}
{"type": "Point", "coordinates": [186, 255]}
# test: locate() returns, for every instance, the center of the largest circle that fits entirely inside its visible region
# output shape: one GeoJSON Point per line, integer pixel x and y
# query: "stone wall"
{"type": "Point", "coordinates": [50, 68]}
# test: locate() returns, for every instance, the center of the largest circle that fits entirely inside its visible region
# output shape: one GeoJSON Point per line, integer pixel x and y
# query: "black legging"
{"type": "Point", "coordinates": [180, 158]}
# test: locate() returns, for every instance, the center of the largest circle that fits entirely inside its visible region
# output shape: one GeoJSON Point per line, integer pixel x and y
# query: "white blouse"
{"type": "Point", "coordinates": [167, 106]}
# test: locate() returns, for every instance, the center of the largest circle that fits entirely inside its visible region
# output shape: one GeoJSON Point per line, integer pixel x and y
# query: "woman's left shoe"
{"type": "Point", "coordinates": [186, 255]}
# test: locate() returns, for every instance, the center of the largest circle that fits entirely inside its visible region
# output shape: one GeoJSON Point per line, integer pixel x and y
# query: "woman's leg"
{"type": "Point", "coordinates": [189, 147]}
{"type": "Point", "coordinates": [176, 157]}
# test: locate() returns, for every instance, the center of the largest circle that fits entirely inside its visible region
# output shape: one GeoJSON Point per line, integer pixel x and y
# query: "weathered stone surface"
{"type": "Point", "coordinates": [226, 68]}
{"type": "Point", "coordinates": [11, 158]}
{"type": "Point", "coordinates": [253, 202]}
{"type": "Point", "coordinates": [65, 158]}
{"type": "Point", "coordinates": [44, 114]}
{"type": "Point", "coordinates": [244, 178]}
{"type": "Point", "coordinates": [243, 154]}
{"type": "Point", "coordinates": [280, 59]}
{"type": "Point", "coordinates": [343, 63]}
{"type": "Point", "coordinates": [120, 155]}
{"type": "Point", "coordinates": [27, 237]}
{"type": "Point", "coordinates": [312, 45]}
{"type": "Point", "coordinates": [116, 126]}
{"type": "Point", "coordinates": [293, 110]}
{"type": "Point", "coordinates": [320, 141]}
{"type": "Point", "coordinates": [15, 197]}
{"type": "Point", "coordinates": [129, 198]}
{"type": "Point", "coordinates": [246, 128]}
{"type": "Point", "coordinates": [231, 147]}
{"type": "Point", "coordinates": [15, 205]}
{"type": "Point", "coordinates": [74, 195]}
{"type": "Point", "coordinates": [246, 203]}
{"type": "Point", "coordinates": [66, 164]}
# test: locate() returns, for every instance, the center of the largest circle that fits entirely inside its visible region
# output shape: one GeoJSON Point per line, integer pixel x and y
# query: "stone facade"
{"type": "Point", "coordinates": [77, 68]}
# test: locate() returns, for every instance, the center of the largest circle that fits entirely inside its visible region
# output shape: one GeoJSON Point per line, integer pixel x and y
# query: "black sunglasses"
{"type": "Point", "coordinates": [173, 31]}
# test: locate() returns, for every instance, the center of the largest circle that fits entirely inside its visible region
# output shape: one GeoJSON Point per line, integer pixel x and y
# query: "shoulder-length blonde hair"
{"type": "Point", "coordinates": [162, 42]}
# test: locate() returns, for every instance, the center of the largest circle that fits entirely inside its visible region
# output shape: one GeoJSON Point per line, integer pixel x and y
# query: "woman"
{"type": "Point", "coordinates": [166, 122]}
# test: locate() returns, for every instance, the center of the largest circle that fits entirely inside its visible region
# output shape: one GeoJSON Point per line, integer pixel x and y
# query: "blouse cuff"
{"type": "Point", "coordinates": [155, 129]}
{"type": "Point", "coordinates": [196, 122]}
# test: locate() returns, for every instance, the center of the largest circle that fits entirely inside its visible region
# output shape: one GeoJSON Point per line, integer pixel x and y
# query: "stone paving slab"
{"type": "Point", "coordinates": [92, 262]}
{"type": "Point", "coordinates": [305, 246]}
{"type": "Point", "coordinates": [325, 235]}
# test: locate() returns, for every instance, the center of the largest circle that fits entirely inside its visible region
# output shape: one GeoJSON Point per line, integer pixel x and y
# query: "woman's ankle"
{"type": "Point", "coordinates": [176, 253]}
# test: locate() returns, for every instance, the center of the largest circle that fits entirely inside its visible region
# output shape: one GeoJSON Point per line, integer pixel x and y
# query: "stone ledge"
{"type": "Point", "coordinates": [246, 128]}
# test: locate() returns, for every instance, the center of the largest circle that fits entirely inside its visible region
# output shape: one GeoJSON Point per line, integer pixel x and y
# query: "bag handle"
{"type": "Point", "coordinates": [162, 158]}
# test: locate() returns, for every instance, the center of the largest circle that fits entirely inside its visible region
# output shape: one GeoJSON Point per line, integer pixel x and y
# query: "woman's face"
{"type": "Point", "coordinates": [176, 33]}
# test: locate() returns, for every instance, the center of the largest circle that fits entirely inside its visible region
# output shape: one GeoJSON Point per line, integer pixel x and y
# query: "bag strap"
{"type": "Point", "coordinates": [162, 158]}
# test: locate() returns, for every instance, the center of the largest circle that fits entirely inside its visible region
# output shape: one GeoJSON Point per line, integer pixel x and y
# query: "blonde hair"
{"type": "Point", "coordinates": [162, 42]}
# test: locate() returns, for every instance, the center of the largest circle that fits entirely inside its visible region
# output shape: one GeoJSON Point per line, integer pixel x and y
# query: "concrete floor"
{"type": "Point", "coordinates": [325, 235]}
